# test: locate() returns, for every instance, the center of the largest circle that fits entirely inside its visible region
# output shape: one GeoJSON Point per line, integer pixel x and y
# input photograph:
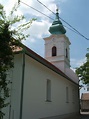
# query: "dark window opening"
{"type": "Point", "coordinates": [54, 51]}
{"type": "Point", "coordinates": [66, 53]}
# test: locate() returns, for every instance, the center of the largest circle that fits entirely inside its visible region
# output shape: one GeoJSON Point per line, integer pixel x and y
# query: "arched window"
{"type": "Point", "coordinates": [54, 51]}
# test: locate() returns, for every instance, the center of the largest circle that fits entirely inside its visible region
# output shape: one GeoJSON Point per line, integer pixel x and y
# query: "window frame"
{"type": "Point", "coordinates": [48, 90]}
{"type": "Point", "coordinates": [54, 51]}
{"type": "Point", "coordinates": [66, 53]}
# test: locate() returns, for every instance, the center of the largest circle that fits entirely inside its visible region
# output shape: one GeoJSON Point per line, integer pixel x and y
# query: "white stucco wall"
{"type": "Point", "coordinates": [34, 98]}
{"type": "Point", "coordinates": [34, 101]}
{"type": "Point", "coordinates": [61, 42]}
{"type": "Point", "coordinates": [16, 87]}
{"type": "Point", "coordinates": [15, 75]}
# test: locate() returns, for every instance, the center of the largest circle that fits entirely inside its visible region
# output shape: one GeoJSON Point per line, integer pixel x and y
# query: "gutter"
{"type": "Point", "coordinates": [22, 84]}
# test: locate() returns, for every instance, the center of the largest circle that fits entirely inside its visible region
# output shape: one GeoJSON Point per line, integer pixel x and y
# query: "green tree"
{"type": "Point", "coordinates": [10, 37]}
{"type": "Point", "coordinates": [83, 71]}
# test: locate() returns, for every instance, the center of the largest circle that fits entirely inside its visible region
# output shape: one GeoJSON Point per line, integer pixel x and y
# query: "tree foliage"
{"type": "Point", "coordinates": [83, 71]}
{"type": "Point", "coordinates": [9, 39]}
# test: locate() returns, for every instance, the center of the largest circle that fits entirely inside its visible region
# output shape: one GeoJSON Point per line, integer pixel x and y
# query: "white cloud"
{"type": "Point", "coordinates": [51, 4]}
{"type": "Point", "coordinates": [32, 40]}
{"type": "Point", "coordinates": [62, 0]}
{"type": "Point", "coordinates": [37, 31]}
{"type": "Point", "coordinates": [76, 63]}
{"type": "Point", "coordinates": [39, 28]}
{"type": "Point", "coordinates": [8, 4]}
{"type": "Point", "coordinates": [36, 5]}
{"type": "Point", "coordinates": [25, 9]}
{"type": "Point", "coordinates": [81, 62]}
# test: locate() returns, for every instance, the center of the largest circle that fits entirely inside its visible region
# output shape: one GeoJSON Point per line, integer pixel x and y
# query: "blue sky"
{"type": "Point", "coordinates": [75, 12]}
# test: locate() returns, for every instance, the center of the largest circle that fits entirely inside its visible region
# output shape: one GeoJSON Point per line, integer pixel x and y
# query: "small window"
{"type": "Point", "coordinates": [66, 53]}
{"type": "Point", "coordinates": [54, 51]}
{"type": "Point", "coordinates": [48, 90]}
{"type": "Point", "coordinates": [67, 95]}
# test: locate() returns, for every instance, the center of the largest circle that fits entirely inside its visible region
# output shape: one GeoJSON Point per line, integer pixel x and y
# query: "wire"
{"type": "Point", "coordinates": [73, 29]}
{"type": "Point", "coordinates": [47, 16]}
{"type": "Point", "coordinates": [46, 7]}
{"type": "Point", "coordinates": [37, 10]}
{"type": "Point", "coordinates": [65, 21]}
{"type": "Point", "coordinates": [55, 14]}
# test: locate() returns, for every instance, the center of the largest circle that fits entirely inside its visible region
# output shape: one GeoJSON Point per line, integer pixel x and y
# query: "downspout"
{"type": "Point", "coordinates": [22, 84]}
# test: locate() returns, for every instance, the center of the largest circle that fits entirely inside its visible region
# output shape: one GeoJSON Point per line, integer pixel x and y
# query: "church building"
{"type": "Point", "coordinates": [44, 88]}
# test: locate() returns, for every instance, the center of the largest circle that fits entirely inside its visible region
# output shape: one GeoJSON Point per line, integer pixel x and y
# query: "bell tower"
{"type": "Point", "coordinates": [57, 49]}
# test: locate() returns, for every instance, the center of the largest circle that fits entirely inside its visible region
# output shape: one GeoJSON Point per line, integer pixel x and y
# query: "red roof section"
{"type": "Point", "coordinates": [85, 96]}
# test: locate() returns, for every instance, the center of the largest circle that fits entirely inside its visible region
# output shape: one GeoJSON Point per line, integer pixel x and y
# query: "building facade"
{"type": "Point", "coordinates": [84, 102]}
{"type": "Point", "coordinates": [43, 88]}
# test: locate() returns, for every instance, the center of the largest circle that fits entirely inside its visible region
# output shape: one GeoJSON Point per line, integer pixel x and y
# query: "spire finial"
{"type": "Point", "coordinates": [57, 14]}
{"type": "Point", "coordinates": [57, 10]}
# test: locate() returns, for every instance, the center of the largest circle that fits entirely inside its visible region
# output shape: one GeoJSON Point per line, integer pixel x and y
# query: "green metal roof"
{"type": "Point", "coordinates": [57, 27]}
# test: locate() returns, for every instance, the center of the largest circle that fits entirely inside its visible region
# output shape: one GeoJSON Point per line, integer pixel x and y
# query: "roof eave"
{"type": "Point", "coordinates": [38, 58]}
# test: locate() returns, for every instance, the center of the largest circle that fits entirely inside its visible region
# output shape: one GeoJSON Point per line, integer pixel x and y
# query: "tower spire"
{"type": "Point", "coordinates": [57, 27]}
{"type": "Point", "coordinates": [57, 14]}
